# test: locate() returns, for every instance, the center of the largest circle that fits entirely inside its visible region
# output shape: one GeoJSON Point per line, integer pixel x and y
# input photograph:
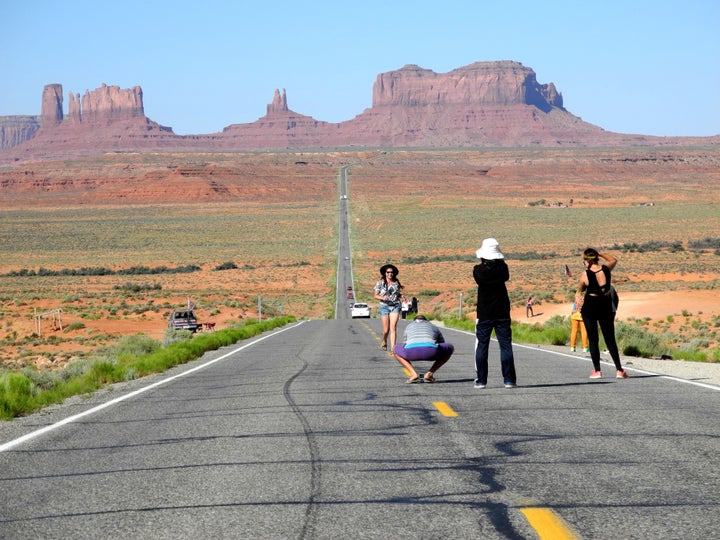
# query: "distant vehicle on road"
{"type": "Point", "coordinates": [360, 310]}
{"type": "Point", "coordinates": [183, 320]}
{"type": "Point", "coordinates": [350, 295]}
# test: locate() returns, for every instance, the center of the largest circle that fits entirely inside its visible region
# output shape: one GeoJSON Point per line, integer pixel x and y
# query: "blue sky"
{"type": "Point", "coordinates": [634, 66]}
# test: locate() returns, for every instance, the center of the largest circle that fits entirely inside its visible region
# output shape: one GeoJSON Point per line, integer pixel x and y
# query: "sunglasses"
{"type": "Point", "coordinates": [389, 272]}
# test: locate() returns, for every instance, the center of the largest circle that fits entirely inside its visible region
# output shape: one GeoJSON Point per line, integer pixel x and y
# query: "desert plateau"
{"type": "Point", "coordinates": [119, 240]}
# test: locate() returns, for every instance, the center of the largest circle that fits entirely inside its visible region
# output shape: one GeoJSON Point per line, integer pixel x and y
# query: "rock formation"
{"type": "Point", "coordinates": [279, 103]}
{"type": "Point", "coordinates": [105, 119]}
{"type": "Point", "coordinates": [482, 84]}
{"type": "Point", "coordinates": [74, 107]}
{"type": "Point", "coordinates": [17, 129]}
{"type": "Point", "coordinates": [52, 105]}
{"type": "Point", "coordinates": [110, 103]}
{"type": "Point", "coordinates": [482, 104]}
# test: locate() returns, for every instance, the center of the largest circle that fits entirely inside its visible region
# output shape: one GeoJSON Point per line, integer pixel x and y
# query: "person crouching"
{"type": "Point", "coordinates": [423, 341]}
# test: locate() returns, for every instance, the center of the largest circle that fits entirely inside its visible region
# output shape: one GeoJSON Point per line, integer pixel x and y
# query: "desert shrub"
{"type": "Point", "coordinates": [429, 293]}
{"type": "Point", "coordinates": [77, 368]}
{"type": "Point", "coordinates": [106, 372]}
{"type": "Point", "coordinates": [422, 259]}
{"type": "Point", "coordinates": [226, 266]}
{"type": "Point", "coordinates": [705, 243]}
{"type": "Point", "coordinates": [100, 271]}
{"type": "Point", "coordinates": [15, 394]}
{"type": "Point", "coordinates": [555, 331]}
{"type": "Point", "coordinates": [631, 350]}
{"type": "Point", "coordinates": [460, 324]}
{"type": "Point", "coordinates": [41, 379]}
{"type": "Point", "coordinates": [74, 326]}
{"type": "Point", "coordinates": [530, 256]}
{"type": "Point", "coordinates": [637, 339]}
{"type": "Point", "coordinates": [137, 287]}
{"type": "Point", "coordinates": [690, 354]}
{"type": "Point", "coordinates": [133, 345]}
{"type": "Point", "coordinates": [173, 336]}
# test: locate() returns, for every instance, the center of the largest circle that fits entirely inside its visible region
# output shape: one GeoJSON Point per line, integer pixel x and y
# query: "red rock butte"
{"type": "Point", "coordinates": [485, 104]}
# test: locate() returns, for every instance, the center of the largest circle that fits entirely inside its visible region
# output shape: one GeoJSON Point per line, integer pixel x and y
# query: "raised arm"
{"type": "Point", "coordinates": [610, 261]}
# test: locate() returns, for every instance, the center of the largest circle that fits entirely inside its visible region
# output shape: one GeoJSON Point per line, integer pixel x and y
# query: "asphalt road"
{"type": "Point", "coordinates": [344, 278]}
{"type": "Point", "coordinates": [310, 432]}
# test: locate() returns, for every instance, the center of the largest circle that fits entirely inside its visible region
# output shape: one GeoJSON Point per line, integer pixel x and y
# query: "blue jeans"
{"type": "Point", "coordinates": [503, 333]}
{"type": "Point", "coordinates": [386, 309]}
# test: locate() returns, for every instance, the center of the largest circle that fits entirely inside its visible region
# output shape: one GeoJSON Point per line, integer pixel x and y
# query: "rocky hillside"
{"type": "Point", "coordinates": [498, 104]}
{"type": "Point", "coordinates": [17, 129]}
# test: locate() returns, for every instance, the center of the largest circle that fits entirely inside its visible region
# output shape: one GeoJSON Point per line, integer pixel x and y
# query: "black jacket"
{"type": "Point", "coordinates": [492, 299]}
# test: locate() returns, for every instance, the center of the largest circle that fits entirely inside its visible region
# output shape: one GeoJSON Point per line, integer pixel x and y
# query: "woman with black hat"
{"type": "Point", "coordinates": [388, 291]}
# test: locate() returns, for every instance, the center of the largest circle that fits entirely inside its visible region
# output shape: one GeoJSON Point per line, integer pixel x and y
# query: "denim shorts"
{"type": "Point", "coordinates": [387, 309]}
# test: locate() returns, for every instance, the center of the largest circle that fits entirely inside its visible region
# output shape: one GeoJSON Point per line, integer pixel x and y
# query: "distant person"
{"type": "Point", "coordinates": [389, 291]}
{"type": "Point", "coordinates": [493, 313]}
{"type": "Point", "coordinates": [405, 307]}
{"type": "Point", "coordinates": [529, 308]}
{"type": "Point", "coordinates": [422, 341]}
{"type": "Point", "coordinates": [576, 324]}
{"type": "Point", "coordinates": [598, 309]}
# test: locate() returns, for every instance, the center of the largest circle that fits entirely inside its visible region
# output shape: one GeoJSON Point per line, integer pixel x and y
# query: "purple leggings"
{"type": "Point", "coordinates": [442, 352]}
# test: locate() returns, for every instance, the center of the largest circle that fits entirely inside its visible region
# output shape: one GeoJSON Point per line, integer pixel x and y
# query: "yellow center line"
{"type": "Point", "coordinates": [547, 524]}
{"type": "Point", "coordinates": [444, 408]}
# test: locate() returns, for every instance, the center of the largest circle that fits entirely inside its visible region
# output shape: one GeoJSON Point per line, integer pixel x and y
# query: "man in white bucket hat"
{"type": "Point", "coordinates": [493, 313]}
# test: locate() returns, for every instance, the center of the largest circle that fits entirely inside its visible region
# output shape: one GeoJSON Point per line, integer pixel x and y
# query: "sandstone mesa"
{"type": "Point", "coordinates": [484, 104]}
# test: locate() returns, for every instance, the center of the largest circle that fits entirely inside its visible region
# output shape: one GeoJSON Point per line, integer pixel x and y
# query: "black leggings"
{"type": "Point", "coordinates": [607, 327]}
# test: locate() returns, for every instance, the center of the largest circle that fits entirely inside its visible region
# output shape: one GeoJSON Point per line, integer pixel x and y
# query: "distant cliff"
{"type": "Point", "coordinates": [482, 104]}
{"type": "Point", "coordinates": [17, 129]}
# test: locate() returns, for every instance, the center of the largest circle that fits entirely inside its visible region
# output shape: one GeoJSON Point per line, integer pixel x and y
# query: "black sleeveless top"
{"type": "Point", "coordinates": [594, 288]}
{"type": "Point", "coordinates": [597, 302]}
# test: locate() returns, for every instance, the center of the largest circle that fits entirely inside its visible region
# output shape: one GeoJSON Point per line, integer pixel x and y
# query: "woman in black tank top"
{"type": "Point", "coordinates": [597, 309]}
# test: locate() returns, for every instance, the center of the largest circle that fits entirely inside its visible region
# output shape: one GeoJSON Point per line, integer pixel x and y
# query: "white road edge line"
{"type": "Point", "coordinates": [626, 368]}
{"type": "Point", "coordinates": [70, 419]}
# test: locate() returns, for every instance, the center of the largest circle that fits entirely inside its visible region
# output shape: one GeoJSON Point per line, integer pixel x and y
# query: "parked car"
{"type": "Point", "coordinates": [183, 319]}
{"type": "Point", "coordinates": [360, 309]}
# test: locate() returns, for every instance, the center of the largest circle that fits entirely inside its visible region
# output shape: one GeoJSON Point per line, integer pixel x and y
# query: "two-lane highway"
{"type": "Point", "coordinates": [311, 432]}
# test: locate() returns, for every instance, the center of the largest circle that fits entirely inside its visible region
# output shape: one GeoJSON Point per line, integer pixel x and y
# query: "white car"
{"type": "Point", "coordinates": [360, 309]}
